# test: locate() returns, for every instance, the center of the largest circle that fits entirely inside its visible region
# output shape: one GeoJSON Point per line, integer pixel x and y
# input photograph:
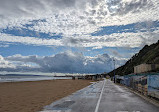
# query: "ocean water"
{"type": "Point", "coordinates": [18, 78]}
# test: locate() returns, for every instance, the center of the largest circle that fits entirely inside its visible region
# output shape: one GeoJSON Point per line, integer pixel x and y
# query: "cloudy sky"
{"type": "Point", "coordinates": [74, 36]}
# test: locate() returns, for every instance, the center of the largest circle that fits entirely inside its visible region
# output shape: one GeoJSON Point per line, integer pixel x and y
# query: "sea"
{"type": "Point", "coordinates": [23, 77]}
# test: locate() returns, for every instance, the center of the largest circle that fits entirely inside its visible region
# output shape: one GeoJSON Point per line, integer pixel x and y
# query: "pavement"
{"type": "Point", "coordinates": [102, 96]}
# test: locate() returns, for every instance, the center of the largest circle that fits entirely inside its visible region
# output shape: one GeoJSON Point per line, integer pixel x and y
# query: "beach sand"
{"type": "Point", "coordinates": [33, 96]}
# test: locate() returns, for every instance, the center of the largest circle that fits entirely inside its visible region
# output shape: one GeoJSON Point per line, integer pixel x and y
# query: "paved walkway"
{"type": "Point", "coordinates": [103, 96]}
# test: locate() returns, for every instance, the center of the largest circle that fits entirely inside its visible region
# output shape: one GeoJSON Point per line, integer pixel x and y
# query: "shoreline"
{"type": "Point", "coordinates": [32, 96]}
{"type": "Point", "coordinates": [33, 80]}
{"type": "Point", "coordinates": [23, 78]}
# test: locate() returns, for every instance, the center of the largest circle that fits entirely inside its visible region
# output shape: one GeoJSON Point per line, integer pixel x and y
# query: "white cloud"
{"type": "Point", "coordinates": [76, 19]}
{"type": "Point", "coordinates": [130, 40]}
{"type": "Point", "coordinates": [63, 16]}
{"type": "Point", "coordinates": [5, 64]}
{"type": "Point", "coordinates": [4, 45]}
{"type": "Point", "coordinates": [67, 62]}
{"type": "Point", "coordinates": [28, 40]}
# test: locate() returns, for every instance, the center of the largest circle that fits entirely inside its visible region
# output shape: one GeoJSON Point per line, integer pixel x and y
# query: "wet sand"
{"type": "Point", "coordinates": [33, 96]}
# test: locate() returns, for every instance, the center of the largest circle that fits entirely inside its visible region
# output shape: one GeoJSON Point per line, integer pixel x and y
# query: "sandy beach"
{"type": "Point", "coordinates": [33, 96]}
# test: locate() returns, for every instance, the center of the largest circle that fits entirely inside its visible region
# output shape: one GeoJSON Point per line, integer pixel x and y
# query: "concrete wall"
{"type": "Point", "coordinates": [145, 68]}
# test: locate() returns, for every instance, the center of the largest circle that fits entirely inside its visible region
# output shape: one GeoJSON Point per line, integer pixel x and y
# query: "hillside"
{"type": "Point", "coordinates": [149, 54]}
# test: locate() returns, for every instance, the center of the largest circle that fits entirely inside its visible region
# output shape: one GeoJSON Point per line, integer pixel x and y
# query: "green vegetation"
{"type": "Point", "coordinates": [149, 55]}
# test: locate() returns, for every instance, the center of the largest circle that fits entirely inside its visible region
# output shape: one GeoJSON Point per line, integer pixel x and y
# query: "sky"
{"type": "Point", "coordinates": [74, 36]}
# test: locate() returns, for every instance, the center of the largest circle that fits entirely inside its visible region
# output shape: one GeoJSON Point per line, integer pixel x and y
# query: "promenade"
{"type": "Point", "coordinates": [103, 96]}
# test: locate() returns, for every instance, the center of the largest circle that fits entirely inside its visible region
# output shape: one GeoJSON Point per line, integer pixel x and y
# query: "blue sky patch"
{"type": "Point", "coordinates": [26, 32]}
{"type": "Point", "coordinates": [34, 22]}
{"type": "Point", "coordinates": [129, 28]}
{"type": "Point", "coordinates": [17, 48]}
{"type": "Point", "coordinates": [30, 33]}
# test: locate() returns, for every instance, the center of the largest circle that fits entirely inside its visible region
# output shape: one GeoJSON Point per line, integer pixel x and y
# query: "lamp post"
{"type": "Point", "coordinates": [114, 69]}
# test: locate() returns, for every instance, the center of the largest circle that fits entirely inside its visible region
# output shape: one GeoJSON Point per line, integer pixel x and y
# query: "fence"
{"type": "Point", "coordinates": [147, 84]}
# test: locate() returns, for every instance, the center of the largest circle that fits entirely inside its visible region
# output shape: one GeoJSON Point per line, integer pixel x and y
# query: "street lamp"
{"type": "Point", "coordinates": [114, 69]}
